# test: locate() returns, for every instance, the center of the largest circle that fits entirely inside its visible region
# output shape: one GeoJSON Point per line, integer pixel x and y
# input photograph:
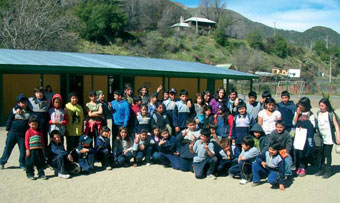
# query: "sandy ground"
{"type": "Point", "coordinates": [157, 184]}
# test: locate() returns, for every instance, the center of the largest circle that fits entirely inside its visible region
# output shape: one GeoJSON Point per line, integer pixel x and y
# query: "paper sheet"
{"type": "Point", "coordinates": [300, 138]}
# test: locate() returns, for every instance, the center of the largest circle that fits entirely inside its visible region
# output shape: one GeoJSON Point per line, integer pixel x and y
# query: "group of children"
{"type": "Point", "coordinates": [208, 136]}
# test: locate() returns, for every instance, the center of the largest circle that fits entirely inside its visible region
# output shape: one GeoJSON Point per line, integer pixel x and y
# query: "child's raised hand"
{"type": "Point", "coordinates": [189, 104]}
{"type": "Point", "coordinates": [28, 153]}
{"type": "Point", "coordinates": [205, 146]}
{"type": "Point", "coordinates": [191, 145]}
{"type": "Point", "coordinates": [84, 150]}
{"type": "Point", "coordinates": [197, 121]}
{"type": "Point", "coordinates": [177, 129]}
{"type": "Point", "coordinates": [142, 147]}
{"type": "Point", "coordinates": [18, 111]}
{"type": "Point", "coordinates": [159, 88]}
{"type": "Point", "coordinates": [185, 132]}
{"type": "Point", "coordinates": [161, 142]}
{"type": "Point", "coordinates": [282, 187]}
{"type": "Point", "coordinates": [263, 164]}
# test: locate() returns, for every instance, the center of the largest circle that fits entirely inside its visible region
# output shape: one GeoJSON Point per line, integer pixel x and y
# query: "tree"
{"type": "Point", "coordinates": [280, 47]}
{"type": "Point", "coordinates": [35, 24]}
{"type": "Point", "coordinates": [255, 40]}
{"type": "Point", "coordinates": [103, 21]}
{"type": "Point", "coordinates": [220, 35]}
{"type": "Point", "coordinates": [212, 9]}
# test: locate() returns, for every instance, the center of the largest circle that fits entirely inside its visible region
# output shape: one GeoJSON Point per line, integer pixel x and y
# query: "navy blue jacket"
{"type": "Point", "coordinates": [102, 143]}
{"type": "Point", "coordinates": [287, 113]}
{"type": "Point", "coordinates": [279, 162]}
{"type": "Point", "coordinates": [181, 114]}
{"type": "Point", "coordinates": [143, 122]}
{"type": "Point", "coordinates": [18, 123]}
{"type": "Point", "coordinates": [169, 147]}
{"type": "Point", "coordinates": [239, 132]}
{"type": "Point", "coordinates": [54, 150]}
{"type": "Point", "coordinates": [159, 120]}
{"type": "Point", "coordinates": [184, 150]}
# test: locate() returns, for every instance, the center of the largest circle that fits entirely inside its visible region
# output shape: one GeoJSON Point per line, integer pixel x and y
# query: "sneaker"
{"type": "Point", "coordinates": [302, 172]}
{"type": "Point", "coordinates": [211, 176]}
{"type": "Point", "coordinates": [30, 177]}
{"type": "Point", "coordinates": [148, 164]}
{"type": "Point", "coordinates": [298, 172]}
{"type": "Point", "coordinates": [42, 177]}
{"type": "Point", "coordinates": [23, 168]}
{"type": "Point", "coordinates": [108, 168]}
{"type": "Point", "coordinates": [255, 184]}
{"type": "Point", "coordinates": [63, 176]}
{"type": "Point", "coordinates": [2, 166]}
{"type": "Point", "coordinates": [243, 181]}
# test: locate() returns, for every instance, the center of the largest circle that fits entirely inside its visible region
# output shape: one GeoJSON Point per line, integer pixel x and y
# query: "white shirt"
{"type": "Point", "coordinates": [325, 128]}
{"type": "Point", "coordinates": [269, 122]}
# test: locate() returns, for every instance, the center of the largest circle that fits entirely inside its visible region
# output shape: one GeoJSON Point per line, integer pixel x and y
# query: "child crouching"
{"type": "Point", "coordinates": [84, 154]}
{"type": "Point", "coordinates": [103, 148]}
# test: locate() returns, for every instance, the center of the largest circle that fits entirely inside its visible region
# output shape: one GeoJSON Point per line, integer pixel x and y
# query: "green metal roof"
{"type": "Point", "coordinates": [28, 61]}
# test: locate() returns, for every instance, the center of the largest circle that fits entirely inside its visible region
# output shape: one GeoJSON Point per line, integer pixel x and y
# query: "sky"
{"type": "Point", "coordinates": [298, 15]}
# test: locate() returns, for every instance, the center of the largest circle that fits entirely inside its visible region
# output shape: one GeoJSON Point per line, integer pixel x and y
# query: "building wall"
{"type": "Point", "coordinates": [189, 84]}
{"type": "Point", "coordinates": [87, 87]}
{"type": "Point", "coordinates": [100, 82]}
{"type": "Point", "coordinates": [203, 85]}
{"type": "Point", "coordinates": [218, 84]}
{"type": "Point", "coordinates": [53, 81]}
{"type": "Point", "coordinates": [151, 82]}
{"type": "Point", "coordinates": [15, 84]}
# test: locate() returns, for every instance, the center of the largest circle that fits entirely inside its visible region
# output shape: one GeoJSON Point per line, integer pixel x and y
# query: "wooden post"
{"type": "Point", "coordinates": [2, 113]}
{"type": "Point", "coordinates": [198, 85]}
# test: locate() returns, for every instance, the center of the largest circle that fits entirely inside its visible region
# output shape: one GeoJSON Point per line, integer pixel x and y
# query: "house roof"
{"type": "Point", "coordinates": [28, 61]}
{"type": "Point", "coordinates": [198, 19]}
{"type": "Point", "coordinates": [181, 25]}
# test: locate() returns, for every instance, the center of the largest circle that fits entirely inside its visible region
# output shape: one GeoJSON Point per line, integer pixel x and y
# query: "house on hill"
{"type": "Point", "coordinates": [203, 24]}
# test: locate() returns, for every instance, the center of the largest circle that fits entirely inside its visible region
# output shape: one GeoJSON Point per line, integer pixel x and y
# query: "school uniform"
{"type": "Point", "coordinates": [85, 160]}
{"type": "Point", "coordinates": [181, 114]}
{"type": "Point", "coordinates": [253, 109]}
{"type": "Point", "coordinates": [287, 114]}
{"type": "Point", "coordinates": [169, 108]}
{"type": "Point", "coordinates": [119, 147]}
{"type": "Point", "coordinates": [160, 121]}
{"type": "Point", "coordinates": [154, 141]}
{"type": "Point", "coordinates": [203, 164]}
{"type": "Point", "coordinates": [243, 168]}
{"type": "Point", "coordinates": [224, 128]}
{"type": "Point", "coordinates": [142, 123]}
{"type": "Point", "coordinates": [275, 169]}
{"type": "Point", "coordinates": [34, 142]}
{"type": "Point", "coordinates": [139, 154]}
{"type": "Point", "coordinates": [186, 157]}
{"type": "Point", "coordinates": [207, 120]}
{"type": "Point", "coordinates": [166, 153]}
{"type": "Point", "coordinates": [16, 125]}
{"type": "Point", "coordinates": [58, 158]}
{"type": "Point", "coordinates": [241, 126]}
{"type": "Point", "coordinates": [224, 161]}
{"type": "Point", "coordinates": [103, 150]}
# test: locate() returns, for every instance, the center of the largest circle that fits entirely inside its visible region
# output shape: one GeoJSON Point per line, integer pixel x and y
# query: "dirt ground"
{"type": "Point", "coordinates": [157, 184]}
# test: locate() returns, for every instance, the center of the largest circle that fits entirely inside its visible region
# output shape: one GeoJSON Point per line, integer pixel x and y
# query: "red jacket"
{"type": "Point", "coordinates": [34, 139]}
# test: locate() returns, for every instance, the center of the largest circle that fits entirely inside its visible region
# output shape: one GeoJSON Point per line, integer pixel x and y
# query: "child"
{"type": "Point", "coordinates": [128, 94]}
{"type": "Point", "coordinates": [282, 137]}
{"type": "Point", "coordinates": [208, 116]}
{"type": "Point", "coordinates": [287, 109]}
{"type": "Point", "coordinates": [103, 148]}
{"type": "Point", "coordinates": [16, 127]}
{"type": "Point", "coordinates": [61, 161]}
{"type": "Point", "coordinates": [329, 129]}
{"type": "Point", "coordinates": [182, 111]}
{"type": "Point", "coordinates": [232, 102]}
{"type": "Point", "coordinates": [269, 116]}
{"type": "Point", "coordinates": [199, 118]}
{"type": "Point", "coordinates": [260, 139]}
{"type": "Point", "coordinates": [58, 117]}
{"type": "Point", "coordinates": [265, 95]}
{"type": "Point", "coordinates": [241, 124]}
{"type": "Point", "coordinates": [94, 116]}
{"type": "Point", "coordinates": [121, 113]}
{"type": "Point", "coordinates": [74, 126]}
{"type": "Point", "coordinates": [122, 147]}
{"type": "Point", "coordinates": [253, 107]}
{"type": "Point", "coordinates": [141, 148]}
{"type": "Point", "coordinates": [219, 99]}
{"type": "Point", "coordinates": [160, 119]}
{"type": "Point", "coordinates": [304, 118]}
{"type": "Point", "coordinates": [143, 121]}
{"type": "Point", "coordinates": [137, 102]}
{"type": "Point", "coordinates": [106, 106]}
{"type": "Point", "coordinates": [204, 160]}
{"type": "Point", "coordinates": [165, 95]}
{"type": "Point", "coordinates": [270, 164]}
{"type": "Point", "coordinates": [245, 160]}
{"type": "Point", "coordinates": [170, 104]}
{"type": "Point", "coordinates": [155, 138]}
{"type": "Point", "coordinates": [206, 97]}
{"type": "Point", "coordinates": [224, 121]}
{"type": "Point", "coordinates": [85, 154]}
{"type": "Point", "coordinates": [167, 148]}
{"type": "Point", "coordinates": [227, 156]}
{"type": "Point", "coordinates": [185, 138]}
{"type": "Point", "coordinates": [152, 104]}
{"type": "Point", "coordinates": [35, 149]}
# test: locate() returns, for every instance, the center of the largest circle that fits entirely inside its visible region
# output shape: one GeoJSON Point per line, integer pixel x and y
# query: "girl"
{"type": "Point", "coordinates": [160, 119]}
{"type": "Point", "coordinates": [95, 117]}
{"type": "Point", "coordinates": [144, 93]}
{"type": "Point", "coordinates": [49, 93]}
{"type": "Point", "coordinates": [198, 105]}
{"type": "Point", "coordinates": [143, 121]}
{"type": "Point", "coordinates": [329, 130]}
{"type": "Point", "coordinates": [208, 117]}
{"type": "Point", "coordinates": [304, 118]}
{"type": "Point", "coordinates": [224, 121]}
{"type": "Point", "coordinates": [155, 138]}
{"type": "Point", "coordinates": [128, 94]}
{"type": "Point", "coordinates": [218, 99]}
{"type": "Point", "coordinates": [268, 116]}
{"type": "Point", "coordinates": [58, 117]}
{"type": "Point", "coordinates": [206, 97]}
{"type": "Point", "coordinates": [122, 147]}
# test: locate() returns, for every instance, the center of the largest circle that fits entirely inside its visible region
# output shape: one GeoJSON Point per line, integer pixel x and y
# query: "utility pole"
{"type": "Point", "coordinates": [330, 69]}
{"type": "Point", "coordinates": [327, 41]}
{"type": "Point", "coordinates": [274, 28]}
{"type": "Point", "coordinates": [196, 25]}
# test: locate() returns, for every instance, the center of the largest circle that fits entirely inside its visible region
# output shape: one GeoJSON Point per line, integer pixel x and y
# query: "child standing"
{"type": "Point", "coordinates": [269, 116]}
{"type": "Point", "coordinates": [287, 109]}
{"type": "Point", "coordinates": [35, 149]}
{"type": "Point", "coordinates": [304, 118]}
{"type": "Point", "coordinates": [103, 148]}
{"type": "Point", "coordinates": [16, 127]}
{"type": "Point", "coordinates": [121, 113]}
{"type": "Point", "coordinates": [58, 117]}
{"type": "Point", "coordinates": [182, 111]}
{"type": "Point", "coordinates": [94, 116]}
{"type": "Point", "coordinates": [74, 127]}
{"type": "Point", "coordinates": [199, 103]}
{"type": "Point", "coordinates": [224, 121]}
{"type": "Point", "coordinates": [245, 160]}
{"type": "Point", "coordinates": [106, 106]}
{"type": "Point", "coordinates": [185, 138]}
{"type": "Point", "coordinates": [330, 132]}
{"type": "Point", "coordinates": [204, 160]}
{"type": "Point", "coordinates": [167, 147]}
{"type": "Point", "coordinates": [270, 164]}
{"type": "Point", "coordinates": [208, 116]}
{"type": "Point", "coordinates": [160, 119]}
{"type": "Point", "coordinates": [152, 104]}
{"type": "Point", "coordinates": [143, 121]}
{"type": "Point", "coordinates": [243, 122]}
{"type": "Point", "coordinates": [141, 148]}
{"type": "Point", "coordinates": [122, 147]}
{"type": "Point", "coordinates": [253, 107]}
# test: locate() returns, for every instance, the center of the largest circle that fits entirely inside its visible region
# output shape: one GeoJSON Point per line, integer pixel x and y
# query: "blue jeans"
{"type": "Point", "coordinates": [104, 156]}
{"type": "Point", "coordinates": [87, 164]}
{"type": "Point", "coordinates": [243, 169]}
{"type": "Point", "coordinates": [207, 166]}
{"type": "Point", "coordinates": [122, 159]}
{"type": "Point", "coordinates": [225, 163]}
{"type": "Point", "coordinates": [167, 159]}
{"type": "Point", "coordinates": [11, 140]}
{"type": "Point", "coordinates": [259, 171]}
{"type": "Point", "coordinates": [185, 164]}
{"type": "Point", "coordinates": [139, 155]}
{"type": "Point", "coordinates": [62, 165]}
{"type": "Point", "coordinates": [288, 165]}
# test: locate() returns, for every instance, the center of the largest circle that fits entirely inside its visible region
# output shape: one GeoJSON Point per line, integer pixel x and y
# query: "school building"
{"type": "Point", "coordinates": [23, 70]}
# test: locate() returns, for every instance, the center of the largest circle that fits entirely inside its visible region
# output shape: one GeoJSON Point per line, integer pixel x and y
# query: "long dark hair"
{"type": "Point", "coordinates": [217, 93]}
{"type": "Point", "coordinates": [327, 103]}
{"type": "Point", "coordinates": [305, 101]}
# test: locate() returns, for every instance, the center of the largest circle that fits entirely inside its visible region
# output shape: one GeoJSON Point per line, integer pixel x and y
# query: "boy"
{"type": "Point", "coordinates": [167, 148]}
{"type": "Point", "coordinates": [106, 106]}
{"type": "Point", "coordinates": [204, 160]}
{"type": "Point", "coordinates": [245, 160]}
{"type": "Point", "coordinates": [121, 113]}
{"type": "Point", "coordinates": [227, 156]}
{"type": "Point", "coordinates": [232, 102]}
{"type": "Point", "coordinates": [85, 154]}
{"type": "Point", "coordinates": [181, 111]}
{"type": "Point", "coordinates": [253, 107]}
{"type": "Point", "coordinates": [170, 103]}
{"type": "Point", "coordinates": [266, 94]}
{"type": "Point", "coordinates": [141, 148]}
{"type": "Point", "coordinates": [74, 127]}
{"type": "Point", "coordinates": [35, 149]}
{"type": "Point", "coordinates": [16, 127]}
{"type": "Point", "coordinates": [58, 157]}
{"type": "Point", "coordinates": [103, 148]}
{"type": "Point", "coordinates": [165, 95]}
{"type": "Point", "coordinates": [137, 102]}
{"type": "Point", "coordinates": [260, 138]}
{"type": "Point", "coordinates": [287, 109]}
{"type": "Point", "coordinates": [159, 119]}
{"type": "Point", "coordinates": [282, 137]}
{"type": "Point", "coordinates": [152, 104]}
{"type": "Point", "coordinates": [208, 116]}
{"type": "Point", "coordinates": [185, 138]}
{"type": "Point", "coordinates": [58, 117]}
{"type": "Point", "coordinates": [270, 164]}
{"type": "Point", "coordinates": [242, 124]}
